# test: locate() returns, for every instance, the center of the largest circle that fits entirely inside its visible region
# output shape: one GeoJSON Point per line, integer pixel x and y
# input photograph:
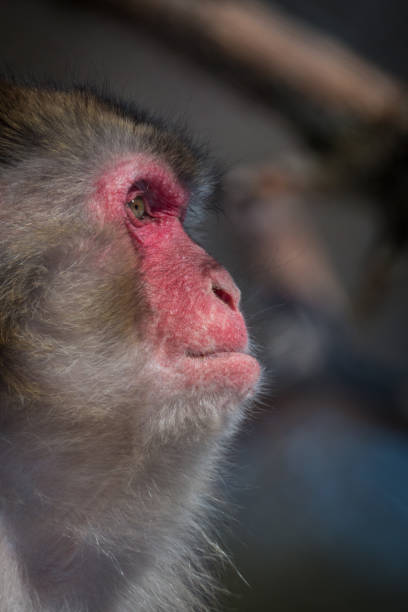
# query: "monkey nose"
{"type": "Point", "coordinates": [224, 288]}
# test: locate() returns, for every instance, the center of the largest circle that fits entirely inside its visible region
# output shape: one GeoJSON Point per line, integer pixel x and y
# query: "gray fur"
{"type": "Point", "coordinates": [104, 481]}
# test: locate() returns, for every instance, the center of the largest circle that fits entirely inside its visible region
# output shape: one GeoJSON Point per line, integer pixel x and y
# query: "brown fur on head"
{"type": "Point", "coordinates": [105, 450]}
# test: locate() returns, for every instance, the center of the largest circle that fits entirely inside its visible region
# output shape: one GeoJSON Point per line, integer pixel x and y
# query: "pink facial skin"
{"type": "Point", "coordinates": [196, 327]}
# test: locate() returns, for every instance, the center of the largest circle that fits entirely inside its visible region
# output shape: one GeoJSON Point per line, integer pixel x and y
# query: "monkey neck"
{"type": "Point", "coordinates": [69, 470]}
{"type": "Point", "coordinates": [95, 510]}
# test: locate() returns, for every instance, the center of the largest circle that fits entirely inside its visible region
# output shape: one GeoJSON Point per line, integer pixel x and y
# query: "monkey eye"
{"type": "Point", "coordinates": [137, 207]}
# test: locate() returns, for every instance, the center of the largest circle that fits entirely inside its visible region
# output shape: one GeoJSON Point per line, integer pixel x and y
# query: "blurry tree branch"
{"type": "Point", "coordinates": [266, 46]}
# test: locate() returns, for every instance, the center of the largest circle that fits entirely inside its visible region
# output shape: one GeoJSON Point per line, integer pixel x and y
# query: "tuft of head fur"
{"type": "Point", "coordinates": [104, 480]}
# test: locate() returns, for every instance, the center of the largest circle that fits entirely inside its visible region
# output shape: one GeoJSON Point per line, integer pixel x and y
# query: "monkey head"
{"type": "Point", "coordinates": [107, 299]}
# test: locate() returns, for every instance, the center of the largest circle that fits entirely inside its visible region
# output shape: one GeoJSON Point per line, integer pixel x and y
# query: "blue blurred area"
{"type": "Point", "coordinates": [323, 508]}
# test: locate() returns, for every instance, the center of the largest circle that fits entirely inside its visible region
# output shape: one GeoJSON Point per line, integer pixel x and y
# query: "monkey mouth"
{"type": "Point", "coordinates": [210, 354]}
{"type": "Point", "coordinates": [232, 370]}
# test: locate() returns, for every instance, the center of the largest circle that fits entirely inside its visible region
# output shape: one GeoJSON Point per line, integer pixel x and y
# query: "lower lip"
{"type": "Point", "coordinates": [234, 371]}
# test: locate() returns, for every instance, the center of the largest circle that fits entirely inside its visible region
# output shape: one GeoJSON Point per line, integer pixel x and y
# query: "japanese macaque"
{"type": "Point", "coordinates": [124, 360]}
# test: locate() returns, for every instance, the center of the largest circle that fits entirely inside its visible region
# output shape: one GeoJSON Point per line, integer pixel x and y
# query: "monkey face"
{"type": "Point", "coordinates": [194, 328]}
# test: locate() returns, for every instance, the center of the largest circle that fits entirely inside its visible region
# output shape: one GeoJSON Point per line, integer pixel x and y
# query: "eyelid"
{"type": "Point", "coordinates": [137, 188]}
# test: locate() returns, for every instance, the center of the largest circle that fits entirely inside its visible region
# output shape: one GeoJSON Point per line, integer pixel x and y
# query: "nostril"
{"type": "Point", "coordinates": [224, 296]}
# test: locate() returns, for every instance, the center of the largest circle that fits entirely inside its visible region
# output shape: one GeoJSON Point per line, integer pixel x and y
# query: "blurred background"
{"type": "Point", "coordinates": [305, 105]}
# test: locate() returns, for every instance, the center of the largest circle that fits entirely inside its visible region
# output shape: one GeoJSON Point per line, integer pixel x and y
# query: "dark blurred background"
{"type": "Point", "coordinates": [304, 104]}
